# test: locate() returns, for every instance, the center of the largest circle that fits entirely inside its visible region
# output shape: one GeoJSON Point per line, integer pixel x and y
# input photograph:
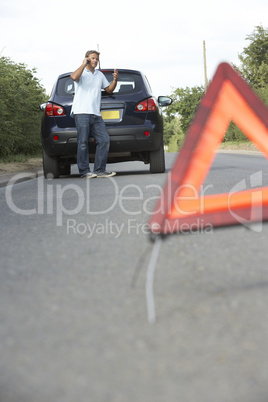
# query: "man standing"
{"type": "Point", "coordinates": [88, 83]}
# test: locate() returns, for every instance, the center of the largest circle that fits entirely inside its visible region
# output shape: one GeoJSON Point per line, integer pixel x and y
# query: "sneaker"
{"type": "Point", "coordinates": [89, 175]}
{"type": "Point", "coordinates": [106, 174]}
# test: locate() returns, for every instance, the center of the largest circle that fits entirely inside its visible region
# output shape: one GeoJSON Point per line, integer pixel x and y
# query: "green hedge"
{"type": "Point", "coordinates": [20, 96]}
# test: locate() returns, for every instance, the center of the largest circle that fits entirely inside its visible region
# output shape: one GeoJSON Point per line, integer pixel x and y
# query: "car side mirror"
{"type": "Point", "coordinates": [164, 101]}
{"type": "Point", "coordinates": [43, 106]}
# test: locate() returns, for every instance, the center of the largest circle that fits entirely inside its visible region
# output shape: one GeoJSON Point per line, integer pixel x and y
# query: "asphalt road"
{"type": "Point", "coordinates": [75, 294]}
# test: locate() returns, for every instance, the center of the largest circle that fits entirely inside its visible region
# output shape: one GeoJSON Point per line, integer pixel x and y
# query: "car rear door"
{"type": "Point", "coordinates": [119, 108]}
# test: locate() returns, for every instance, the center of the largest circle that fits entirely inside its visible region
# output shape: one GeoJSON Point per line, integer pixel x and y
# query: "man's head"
{"type": "Point", "coordinates": [93, 58]}
{"type": "Point", "coordinates": [91, 52]}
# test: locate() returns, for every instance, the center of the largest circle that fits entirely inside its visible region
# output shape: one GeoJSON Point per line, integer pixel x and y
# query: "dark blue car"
{"type": "Point", "coordinates": [132, 115]}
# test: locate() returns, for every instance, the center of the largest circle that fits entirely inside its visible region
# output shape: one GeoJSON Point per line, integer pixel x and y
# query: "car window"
{"type": "Point", "coordinates": [65, 87]}
{"type": "Point", "coordinates": [127, 83]}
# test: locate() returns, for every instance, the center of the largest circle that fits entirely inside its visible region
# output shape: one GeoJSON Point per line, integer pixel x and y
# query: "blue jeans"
{"type": "Point", "coordinates": [87, 124]}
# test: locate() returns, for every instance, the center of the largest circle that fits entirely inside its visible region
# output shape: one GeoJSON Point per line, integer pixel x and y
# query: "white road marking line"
{"type": "Point", "coordinates": [150, 281]}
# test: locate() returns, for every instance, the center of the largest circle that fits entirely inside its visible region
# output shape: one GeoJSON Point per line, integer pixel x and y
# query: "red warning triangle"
{"type": "Point", "coordinates": [181, 207]}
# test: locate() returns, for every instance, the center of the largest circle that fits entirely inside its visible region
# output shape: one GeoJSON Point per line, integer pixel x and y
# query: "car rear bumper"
{"type": "Point", "coordinates": [122, 140]}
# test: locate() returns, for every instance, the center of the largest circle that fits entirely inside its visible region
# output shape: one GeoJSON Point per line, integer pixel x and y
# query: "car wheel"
{"type": "Point", "coordinates": [50, 166]}
{"type": "Point", "coordinates": [157, 160]}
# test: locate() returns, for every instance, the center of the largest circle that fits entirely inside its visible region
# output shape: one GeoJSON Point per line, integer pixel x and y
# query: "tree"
{"type": "Point", "coordinates": [172, 127]}
{"type": "Point", "coordinates": [185, 103]}
{"type": "Point", "coordinates": [20, 97]}
{"type": "Point", "coordinates": [254, 59]}
{"type": "Point", "coordinates": [254, 69]}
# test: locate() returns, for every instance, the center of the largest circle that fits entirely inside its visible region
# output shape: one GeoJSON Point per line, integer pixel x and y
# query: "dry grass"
{"type": "Point", "coordinates": [12, 167]}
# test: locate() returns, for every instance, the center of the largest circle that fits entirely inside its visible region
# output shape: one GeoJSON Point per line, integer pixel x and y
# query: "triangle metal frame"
{"type": "Point", "coordinates": [228, 98]}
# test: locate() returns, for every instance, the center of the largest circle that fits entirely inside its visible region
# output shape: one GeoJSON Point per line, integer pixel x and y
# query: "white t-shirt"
{"type": "Point", "coordinates": [87, 98]}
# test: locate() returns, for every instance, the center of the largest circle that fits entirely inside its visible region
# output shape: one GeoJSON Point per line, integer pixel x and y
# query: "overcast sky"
{"type": "Point", "coordinates": [164, 39]}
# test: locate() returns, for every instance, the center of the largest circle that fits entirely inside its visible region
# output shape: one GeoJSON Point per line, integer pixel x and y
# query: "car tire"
{"type": "Point", "coordinates": [51, 166]}
{"type": "Point", "coordinates": [157, 160]}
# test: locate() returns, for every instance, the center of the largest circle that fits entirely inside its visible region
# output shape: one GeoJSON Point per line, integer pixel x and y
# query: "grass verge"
{"type": "Point", "coordinates": [17, 163]}
{"type": "Point", "coordinates": [176, 143]}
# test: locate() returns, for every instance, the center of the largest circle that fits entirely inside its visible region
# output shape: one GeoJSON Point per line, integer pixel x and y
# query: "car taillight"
{"type": "Point", "coordinates": [54, 110]}
{"type": "Point", "coordinates": [146, 105]}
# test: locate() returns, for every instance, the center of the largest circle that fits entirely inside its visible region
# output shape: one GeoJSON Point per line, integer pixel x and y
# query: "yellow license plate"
{"type": "Point", "coordinates": [110, 114]}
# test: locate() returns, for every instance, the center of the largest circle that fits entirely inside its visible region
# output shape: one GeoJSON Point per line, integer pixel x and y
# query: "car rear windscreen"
{"type": "Point", "coordinates": [127, 83]}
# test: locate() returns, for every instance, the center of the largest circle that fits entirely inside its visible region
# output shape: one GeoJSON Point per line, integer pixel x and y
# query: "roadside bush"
{"type": "Point", "coordinates": [20, 96]}
{"type": "Point", "coordinates": [234, 134]}
{"type": "Point", "coordinates": [185, 103]}
{"type": "Point", "coordinates": [253, 68]}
